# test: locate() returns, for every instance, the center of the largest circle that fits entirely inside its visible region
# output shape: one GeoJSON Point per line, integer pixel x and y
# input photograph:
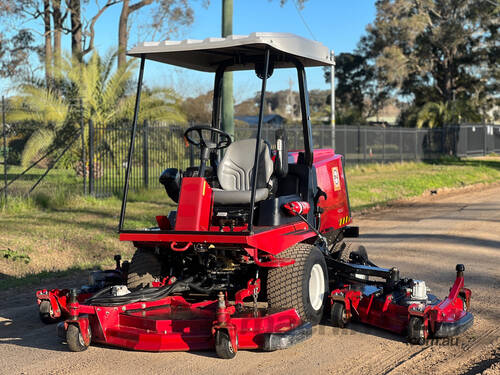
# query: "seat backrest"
{"type": "Point", "coordinates": [236, 168]}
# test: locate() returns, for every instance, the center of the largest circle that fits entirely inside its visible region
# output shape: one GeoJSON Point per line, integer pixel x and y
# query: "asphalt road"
{"type": "Point", "coordinates": [425, 238]}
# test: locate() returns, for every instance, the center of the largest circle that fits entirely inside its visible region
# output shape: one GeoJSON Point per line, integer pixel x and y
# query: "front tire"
{"type": "Point", "coordinates": [301, 286]}
{"type": "Point", "coordinates": [144, 268]}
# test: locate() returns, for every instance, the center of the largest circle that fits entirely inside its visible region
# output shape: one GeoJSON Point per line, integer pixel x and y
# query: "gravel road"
{"type": "Point", "coordinates": [424, 237]}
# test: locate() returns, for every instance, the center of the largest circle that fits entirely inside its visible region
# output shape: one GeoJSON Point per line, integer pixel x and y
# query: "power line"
{"type": "Point", "coordinates": [303, 19]}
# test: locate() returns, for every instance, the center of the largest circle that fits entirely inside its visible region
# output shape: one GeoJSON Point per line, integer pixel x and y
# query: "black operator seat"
{"type": "Point", "coordinates": [235, 173]}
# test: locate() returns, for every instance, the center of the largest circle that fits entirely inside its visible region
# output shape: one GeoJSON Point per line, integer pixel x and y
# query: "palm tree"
{"type": "Point", "coordinates": [105, 96]}
{"type": "Point", "coordinates": [440, 114]}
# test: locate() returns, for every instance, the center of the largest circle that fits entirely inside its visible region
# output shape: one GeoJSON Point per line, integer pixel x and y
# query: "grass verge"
{"type": "Point", "coordinates": [378, 184]}
{"type": "Point", "coordinates": [55, 233]}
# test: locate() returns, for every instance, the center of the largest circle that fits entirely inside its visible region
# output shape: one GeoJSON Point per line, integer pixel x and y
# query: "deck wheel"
{"type": "Point", "coordinates": [416, 331]}
{"type": "Point", "coordinates": [75, 340]}
{"type": "Point", "coordinates": [46, 313]}
{"type": "Point", "coordinates": [339, 315]}
{"type": "Point", "coordinates": [223, 345]}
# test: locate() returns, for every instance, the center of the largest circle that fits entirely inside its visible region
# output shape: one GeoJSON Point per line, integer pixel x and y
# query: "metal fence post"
{"type": "Point", "coordinates": [401, 145]}
{"type": "Point", "coordinates": [485, 139]}
{"type": "Point", "coordinates": [465, 131]}
{"type": "Point", "coordinates": [145, 154]}
{"type": "Point", "coordinates": [345, 142]}
{"type": "Point", "coordinates": [364, 144]}
{"type": "Point", "coordinates": [416, 144]}
{"type": "Point", "coordinates": [83, 160]}
{"type": "Point", "coordinates": [442, 151]}
{"type": "Point", "coordinates": [191, 156]}
{"type": "Point", "coordinates": [4, 152]}
{"type": "Point", "coordinates": [383, 144]}
{"type": "Point", "coordinates": [91, 158]}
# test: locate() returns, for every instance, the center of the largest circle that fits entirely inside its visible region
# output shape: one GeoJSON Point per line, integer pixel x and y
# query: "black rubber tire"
{"type": "Point", "coordinates": [288, 287]}
{"type": "Point", "coordinates": [338, 315]}
{"type": "Point", "coordinates": [361, 251]}
{"type": "Point", "coordinates": [45, 311]}
{"type": "Point", "coordinates": [464, 301]}
{"type": "Point", "coordinates": [74, 339]}
{"type": "Point", "coordinates": [416, 335]}
{"type": "Point", "coordinates": [223, 346]}
{"type": "Point", "coordinates": [144, 268]}
{"type": "Point", "coordinates": [345, 251]}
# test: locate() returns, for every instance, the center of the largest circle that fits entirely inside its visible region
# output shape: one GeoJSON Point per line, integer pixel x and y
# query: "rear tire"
{"type": "Point", "coordinates": [144, 268]}
{"type": "Point", "coordinates": [302, 286]}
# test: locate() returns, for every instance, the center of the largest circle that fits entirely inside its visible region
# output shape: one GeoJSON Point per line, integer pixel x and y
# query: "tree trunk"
{"type": "Point", "coordinates": [76, 28]}
{"type": "Point", "coordinates": [57, 17]}
{"type": "Point", "coordinates": [123, 34]}
{"type": "Point", "coordinates": [48, 42]}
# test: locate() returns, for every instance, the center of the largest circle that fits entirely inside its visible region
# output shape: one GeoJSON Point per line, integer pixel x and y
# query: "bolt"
{"type": "Point", "coordinates": [222, 302]}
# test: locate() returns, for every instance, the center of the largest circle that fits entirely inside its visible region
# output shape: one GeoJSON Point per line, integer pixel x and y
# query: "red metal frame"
{"type": "Point", "coordinates": [381, 312]}
{"type": "Point", "coordinates": [272, 241]}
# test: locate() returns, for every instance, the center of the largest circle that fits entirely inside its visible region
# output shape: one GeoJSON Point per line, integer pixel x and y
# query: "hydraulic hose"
{"type": "Point", "coordinates": [104, 298]}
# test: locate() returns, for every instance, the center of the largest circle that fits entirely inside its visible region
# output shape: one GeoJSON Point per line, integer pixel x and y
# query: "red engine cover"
{"type": "Point", "coordinates": [330, 176]}
{"type": "Point", "coordinates": [331, 180]}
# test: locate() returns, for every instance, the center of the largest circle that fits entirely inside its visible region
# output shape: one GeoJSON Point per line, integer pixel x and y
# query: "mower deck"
{"type": "Point", "coordinates": [393, 306]}
{"type": "Point", "coordinates": [174, 324]}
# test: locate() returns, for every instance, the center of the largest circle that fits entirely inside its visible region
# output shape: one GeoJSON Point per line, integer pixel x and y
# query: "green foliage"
{"type": "Point", "coordinates": [444, 52]}
{"type": "Point", "coordinates": [15, 256]}
{"type": "Point", "coordinates": [106, 99]}
{"type": "Point", "coordinates": [433, 115]}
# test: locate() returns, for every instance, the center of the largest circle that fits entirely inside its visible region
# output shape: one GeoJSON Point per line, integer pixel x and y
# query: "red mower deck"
{"type": "Point", "coordinates": [174, 324]}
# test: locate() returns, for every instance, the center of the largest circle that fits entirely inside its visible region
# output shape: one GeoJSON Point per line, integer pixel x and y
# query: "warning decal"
{"type": "Point", "coordinates": [336, 179]}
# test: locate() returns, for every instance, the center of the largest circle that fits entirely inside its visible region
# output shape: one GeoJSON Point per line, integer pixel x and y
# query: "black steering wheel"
{"type": "Point", "coordinates": [224, 138]}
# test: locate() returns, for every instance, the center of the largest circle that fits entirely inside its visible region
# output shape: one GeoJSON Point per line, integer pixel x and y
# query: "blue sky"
{"type": "Point", "coordinates": [336, 23]}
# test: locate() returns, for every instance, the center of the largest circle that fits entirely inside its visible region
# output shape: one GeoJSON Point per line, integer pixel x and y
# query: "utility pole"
{"type": "Point", "coordinates": [4, 152]}
{"type": "Point", "coordinates": [332, 96]}
{"type": "Point", "coordinates": [227, 83]}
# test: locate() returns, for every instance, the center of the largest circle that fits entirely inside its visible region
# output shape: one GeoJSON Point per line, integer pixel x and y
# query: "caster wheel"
{"type": "Point", "coordinates": [339, 315]}
{"type": "Point", "coordinates": [75, 340]}
{"type": "Point", "coordinates": [416, 334]}
{"type": "Point", "coordinates": [464, 302]}
{"type": "Point", "coordinates": [46, 313]}
{"type": "Point", "coordinates": [223, 345]}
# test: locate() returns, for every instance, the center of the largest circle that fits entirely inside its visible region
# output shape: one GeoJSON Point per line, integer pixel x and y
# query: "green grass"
{"type": "Point", "coordinates": [377, 184]}
{"type": "Point", "coordinates": [56, 231]}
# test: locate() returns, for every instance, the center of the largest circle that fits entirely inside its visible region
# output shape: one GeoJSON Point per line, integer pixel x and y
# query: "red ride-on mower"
{"type": "Point", "coordinates": [255, 221]}
{"type": "Point", "coordinates": [378, 297]}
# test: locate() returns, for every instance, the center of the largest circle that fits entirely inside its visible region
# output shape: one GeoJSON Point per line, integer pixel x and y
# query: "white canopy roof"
{"type": "Point", "coordinates": [207, 54]}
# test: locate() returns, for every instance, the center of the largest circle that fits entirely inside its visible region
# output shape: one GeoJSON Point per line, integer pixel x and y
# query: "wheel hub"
{"type": "Point", "coordinates": [316, 287]}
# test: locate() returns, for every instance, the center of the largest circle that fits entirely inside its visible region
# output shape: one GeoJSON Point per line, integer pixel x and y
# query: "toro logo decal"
{"type": "Point", "coordinates": [336, 179]}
